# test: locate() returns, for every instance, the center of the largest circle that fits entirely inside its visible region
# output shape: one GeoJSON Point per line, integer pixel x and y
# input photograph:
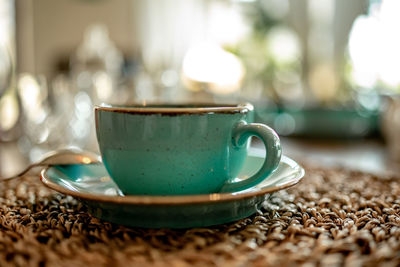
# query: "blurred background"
{"type": "Point", "coordinates": [314, 69]}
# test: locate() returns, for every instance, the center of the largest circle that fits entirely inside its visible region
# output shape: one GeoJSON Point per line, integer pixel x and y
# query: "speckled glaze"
{"type": "Point", "coordinates": [91, 184]}
{"type": "Point", "coordinates": [178, 150]}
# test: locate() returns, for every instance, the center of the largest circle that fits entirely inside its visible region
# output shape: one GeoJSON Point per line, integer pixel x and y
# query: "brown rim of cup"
{"type": "Point", "coordinates": [195, 108]}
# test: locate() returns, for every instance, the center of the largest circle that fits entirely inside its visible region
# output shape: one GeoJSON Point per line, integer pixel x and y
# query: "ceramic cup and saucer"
{"type": "Point", "coordinates": [177, 166]}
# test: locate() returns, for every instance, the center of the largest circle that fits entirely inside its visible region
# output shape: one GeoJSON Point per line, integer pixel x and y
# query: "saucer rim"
{"type": "Point", "coordinates": [175, 199]}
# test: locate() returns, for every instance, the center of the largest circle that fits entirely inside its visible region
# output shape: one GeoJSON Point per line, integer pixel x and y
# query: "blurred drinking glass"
{"type": "Point", "coordinates": [9, 106]}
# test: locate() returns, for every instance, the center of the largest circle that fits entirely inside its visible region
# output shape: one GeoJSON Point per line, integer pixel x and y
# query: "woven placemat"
{"type": "Point", "coordinates": [333, 217]}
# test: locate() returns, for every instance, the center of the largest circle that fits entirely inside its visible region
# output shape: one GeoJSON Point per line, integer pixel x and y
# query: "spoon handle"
{"type": "Point", "coordinates": [59, 157]}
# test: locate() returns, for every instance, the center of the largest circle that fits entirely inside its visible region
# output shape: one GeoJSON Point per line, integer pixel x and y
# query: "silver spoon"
{"type": "Point", "coordinates": [59, 157]}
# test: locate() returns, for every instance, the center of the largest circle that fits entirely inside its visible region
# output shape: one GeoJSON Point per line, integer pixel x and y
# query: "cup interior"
{"type": "Point", "coordinates": [178, 108]}
{"type": "Point", "coordinates": [172, 105]}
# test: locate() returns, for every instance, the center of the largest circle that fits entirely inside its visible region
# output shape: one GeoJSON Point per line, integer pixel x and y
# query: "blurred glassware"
{"type": "Point", "coordinates": [59, 114]}
{"type": "Point", "coordinates": [96, 70]}
{"type": "Point", "coordinates": [96, 66]}
{"type": "Point", "coordinates": [35, 113]}
{"type": "Point", "coordinates": [277, 53]}
{"type": "Point", "coordinates": [9, 105]}
{"type": "Point", "coordinates": [55, 116]}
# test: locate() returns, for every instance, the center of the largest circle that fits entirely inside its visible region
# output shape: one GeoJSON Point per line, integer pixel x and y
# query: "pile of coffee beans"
{"type": "Point", "coordinates": [334, 217]}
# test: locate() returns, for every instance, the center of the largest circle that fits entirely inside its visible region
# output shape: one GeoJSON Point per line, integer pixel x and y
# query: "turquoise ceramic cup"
{"type": "Point", "coordinates": [181, 149]}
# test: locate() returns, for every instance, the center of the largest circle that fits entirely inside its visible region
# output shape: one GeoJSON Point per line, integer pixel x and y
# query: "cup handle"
{"type": "Point", "coordinates": [268, 136]}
